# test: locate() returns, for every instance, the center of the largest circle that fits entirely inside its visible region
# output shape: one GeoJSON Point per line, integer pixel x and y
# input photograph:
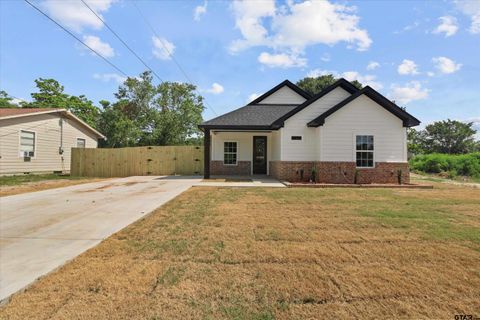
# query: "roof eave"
{"type": "Point", "coordinates": [236, 127]}
{"type": "Point", "coordinates": [287, 83]}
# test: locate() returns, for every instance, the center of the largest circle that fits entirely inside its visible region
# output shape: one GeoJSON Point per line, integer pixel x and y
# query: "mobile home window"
{"type": "Point", "coordinates": [364, 151]}
{"type": "Point", "coordinates": [80, 143]}
{"type": "Point", "coordinates": [27, 143]}
{"type": "Point", "coordinates": [229, 152]}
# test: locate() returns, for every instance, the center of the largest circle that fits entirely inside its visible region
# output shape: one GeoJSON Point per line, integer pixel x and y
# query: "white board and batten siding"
{"type": "Point", "coordinates": [284, 95]}
{"type": "Point", "coordinates": [308, 148]}
{"type": "Point", "coordinates": [363, 116]}
{"type": "Point", "coordinates": [47, 131]}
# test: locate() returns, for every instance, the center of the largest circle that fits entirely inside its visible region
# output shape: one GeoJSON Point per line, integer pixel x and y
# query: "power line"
{"type": "Point", "coordinates": [122, 41]}
{"type": "Point", "coordinates": [77, 38]}
{"type": "Point", "coordinates": [169, 53]}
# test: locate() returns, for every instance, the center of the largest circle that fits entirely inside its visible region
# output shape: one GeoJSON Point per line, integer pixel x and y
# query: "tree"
{"type": "Point", "coordinates": [415, 141]}
{"type": "Point", "coordinates": [117, 127]}
{"type": "Point", "coordinates": [50, 95]}
{"type": "Point", "coordinates": [6, 100]}
{"type": "Point", "coordinates": [145, 114]}
{"type": "Point", "coordinates": [315, 85]}
{"type": "Point", "coordinates": [450, 136]}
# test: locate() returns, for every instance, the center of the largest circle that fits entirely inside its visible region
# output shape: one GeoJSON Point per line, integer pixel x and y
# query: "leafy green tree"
{"type": "Point", "coordinates": [145, 114]}
{"type": "Point", "coordinates": [50, 95]}
{"type": "Point", "coordinates": [449, 136]}
{"type": "Point", "coordinates": [6, 100]}
{"type": "Point", "coordinates": [415, 141]}
{"type": "Point", "coordinates": [315, 85]}
{"type": "Point", "coordinates": [120, 130]}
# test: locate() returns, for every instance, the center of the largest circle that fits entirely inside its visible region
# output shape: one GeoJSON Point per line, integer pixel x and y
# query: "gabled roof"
{"type": "Point", "coordinates": [408, 119]}
{"type": "Point", "coordinates": [278, 87]}
{"type": "Point", "coordinates": [258, 116]}
{"type": "Point", "coordinates": [10, 113]}
{"type": "Point", "coordinates": [346, 85]}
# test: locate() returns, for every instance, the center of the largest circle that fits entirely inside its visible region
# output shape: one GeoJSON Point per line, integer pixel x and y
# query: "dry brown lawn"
{"type": "Point", "coordinates": [24, 187]}
{"type": "Point", "coordinates": [259, 253]}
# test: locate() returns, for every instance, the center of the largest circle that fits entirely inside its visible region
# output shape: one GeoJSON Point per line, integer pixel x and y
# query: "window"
{"type": "Point", "coordinates": [27, 144]}
{"type": "Point", "coordinates": [229, 152]}
{"type": "Point", "coordinates": [80, 143]}
{"type": "Point", "coordinates": [296, 137]}
{"type": "Point", "coordinates": [364, 151]}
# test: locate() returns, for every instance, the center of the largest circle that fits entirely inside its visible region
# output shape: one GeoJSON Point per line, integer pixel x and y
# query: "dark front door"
{"type": "Point", "coordinates": [259, 155]}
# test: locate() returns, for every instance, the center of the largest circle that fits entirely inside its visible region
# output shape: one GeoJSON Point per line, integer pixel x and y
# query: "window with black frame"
{"type": "Point", "coordinates": [230, 152]}
{"type": "Point", "coordinates": [364, 151]}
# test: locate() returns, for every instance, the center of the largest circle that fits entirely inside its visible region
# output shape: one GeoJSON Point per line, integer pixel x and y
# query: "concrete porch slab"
{"type": "Point", "coordinates": [240, 181]}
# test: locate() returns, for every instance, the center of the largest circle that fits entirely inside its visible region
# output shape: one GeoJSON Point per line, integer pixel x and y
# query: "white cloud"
{"type": "Point", "coordinates": [445, 65]}
{"type": "Point", "coordinates": [407, 67]}
{"type": "Point", "coordinates": [248, 19]}
{"type": "Point", "coordinates": [430, 73]}
{"type": "Point", "coordinates": [281, 60]}
{"type": "Point", "coordinates": [215, 89]}
{"type": "Point", "coordinates": [448, 26]}
{"type": "Point", "coordinates": [325, 57]}
{"type": "Point", "coordinates": [471, 8]}
{"type": "Point", "coordinates": [366, 80]}
{"type": "Point", "coordinates": [409, 27]}
{"type": "Point", "coordinates": [75, 15]}
{"type": "Point", "coordinates": [296, 25]}
{"type": "Point", "coordinates": [199, 11]}
{"type": "Point", "coordinates": [410, 92]}
{"type": "Point", "coordinates": [162, 48]}
{"type": "Point", "coordinates": [99, 46]}
{"type": "Point", "coordinates": [107, 77]}
{"type": "Point", "coordinates": [372, 65]}
{"type": "Point", "coordinates": [253, 96]}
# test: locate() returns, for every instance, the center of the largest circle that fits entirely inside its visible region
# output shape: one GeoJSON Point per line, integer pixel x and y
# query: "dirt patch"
{"type": "Point", "coordinates": [258, 253]}
{"type": "Point", "coordinates": [43, 185]}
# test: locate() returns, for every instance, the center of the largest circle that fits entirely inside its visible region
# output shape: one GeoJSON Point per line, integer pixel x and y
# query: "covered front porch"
{"type": "Point", "coordinates": [243, 153]}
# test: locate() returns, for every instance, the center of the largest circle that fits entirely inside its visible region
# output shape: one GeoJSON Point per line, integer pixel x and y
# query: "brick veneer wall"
{"type": "Point", "coordinates": [340, 172]}
{"type": "Point", "coordinates": [291, 170]}
{"type": "Point", "coordinates": [241, 169]}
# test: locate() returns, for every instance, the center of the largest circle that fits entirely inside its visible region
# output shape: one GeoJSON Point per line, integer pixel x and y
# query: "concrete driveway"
{"type": "Point", "coordinates": [40, 231]}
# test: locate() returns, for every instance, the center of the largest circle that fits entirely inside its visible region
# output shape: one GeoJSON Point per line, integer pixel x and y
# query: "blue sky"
{"type": "Point", "coordinates": [424, 55]}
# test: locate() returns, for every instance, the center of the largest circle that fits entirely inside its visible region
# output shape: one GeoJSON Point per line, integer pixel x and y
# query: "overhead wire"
{"type": "Point", "coordinates": [182, 70]}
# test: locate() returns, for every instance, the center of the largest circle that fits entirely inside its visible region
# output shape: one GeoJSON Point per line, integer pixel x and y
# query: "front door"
{"type": "Point", "coordinates": [259, 155]}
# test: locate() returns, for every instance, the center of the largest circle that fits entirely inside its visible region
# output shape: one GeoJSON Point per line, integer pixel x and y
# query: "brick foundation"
{"type": "Point", "coordinates": [243, 168]}
{"type": "Point", "coordinates": [340, 172]}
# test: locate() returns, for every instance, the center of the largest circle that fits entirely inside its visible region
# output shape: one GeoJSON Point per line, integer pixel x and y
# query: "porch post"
{"type": "Point", "coordinates": [206, 154]}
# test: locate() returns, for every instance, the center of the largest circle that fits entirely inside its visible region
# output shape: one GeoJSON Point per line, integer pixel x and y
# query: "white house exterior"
{"type": "Point", "coordinates": [35, 140]}
{"type": "Point", "coordinates": [342, 135]}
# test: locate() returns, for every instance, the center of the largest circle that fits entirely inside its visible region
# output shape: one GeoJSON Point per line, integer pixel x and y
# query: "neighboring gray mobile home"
{"type": "Point", "coordinates": [35, 140]}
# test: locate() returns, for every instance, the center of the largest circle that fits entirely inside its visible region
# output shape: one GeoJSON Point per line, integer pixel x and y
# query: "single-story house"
{"type": "Point", "coordinates": [35, 140]}
{"type": "Point", "coordinates": [342, 134]}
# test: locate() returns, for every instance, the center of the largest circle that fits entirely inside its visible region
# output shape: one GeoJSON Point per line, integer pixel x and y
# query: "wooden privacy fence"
{"type": "Point", "coordinates": [137, 161]}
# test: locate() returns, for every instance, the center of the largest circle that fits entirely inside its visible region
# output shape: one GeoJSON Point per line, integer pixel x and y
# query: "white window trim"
{"type": "Point", "coordinates": [223, 153]}
{"type": "Point", "coordinates": [34, 143]}
{"type": "Point", "coordinates": [78, 138]}
{"type": "Point", "coordinates": [354, 155]}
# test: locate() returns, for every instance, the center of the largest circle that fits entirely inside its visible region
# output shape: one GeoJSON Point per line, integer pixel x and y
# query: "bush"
{"type": "Point", "coordinates": [462, 164]}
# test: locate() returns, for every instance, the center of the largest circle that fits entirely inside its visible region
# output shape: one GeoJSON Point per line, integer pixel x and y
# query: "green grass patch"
{"type": "Point", "coordinates": [20, 179]}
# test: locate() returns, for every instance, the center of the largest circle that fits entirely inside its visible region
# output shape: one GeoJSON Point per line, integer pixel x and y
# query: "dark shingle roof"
{"type": "Point", "coordinates": [255, 115]}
